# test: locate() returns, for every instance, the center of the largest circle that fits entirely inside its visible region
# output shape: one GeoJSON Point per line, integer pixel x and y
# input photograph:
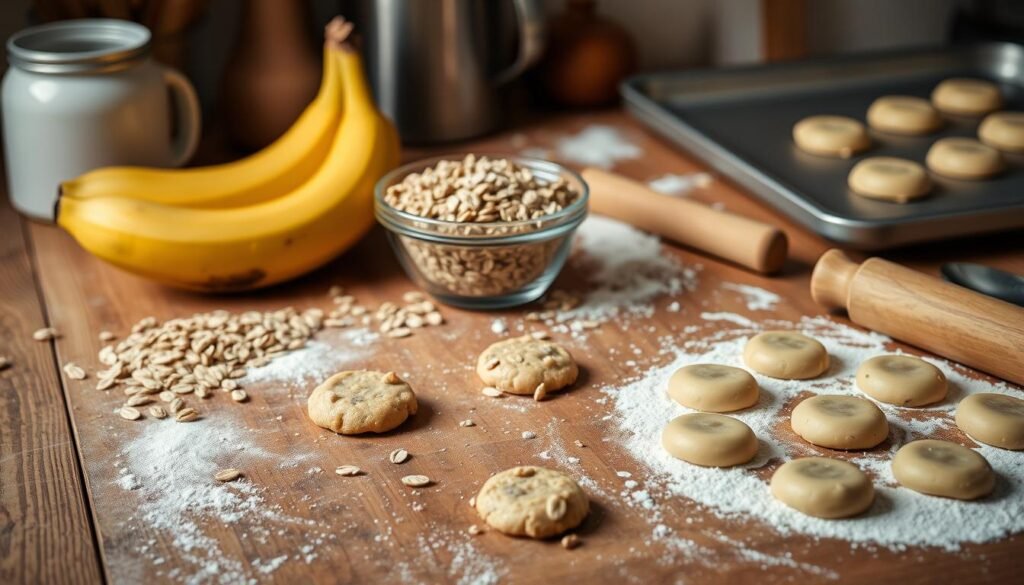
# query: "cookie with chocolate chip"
{"type": "Point", "coordinates": [354, 402]}
{"type": "Point", "coordinates": [519, 365]}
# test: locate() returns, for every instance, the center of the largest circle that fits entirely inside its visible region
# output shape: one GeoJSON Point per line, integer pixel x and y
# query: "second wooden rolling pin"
{"type": "Point", "coordinates": [746, 242]}
{"type": "Point", "coordinates": [951, 321]}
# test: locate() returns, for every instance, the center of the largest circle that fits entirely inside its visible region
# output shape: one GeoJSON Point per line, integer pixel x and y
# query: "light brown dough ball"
{"type": "Point", "coordinates": [1003, 130]}
{"type": "Point", "coordinates": [711, 440]}
{"type": "Point", "coordinates": [967, 97]}
{"type": "Point", "coordinates": [713, 388]}
{"type": "Point", "coordinates": [836, 136]}
{"type": "Point", "coordinates": [903, 114]}
{"type": "Point", "coordinates": [786, 354]}
{"type": "Point", "coordinates": [963, 158]}
{"type": "Point", "coordinates": [902, 380]}
{"type": "Point", "coordinates": [993, 419]}
{"type": "Point", "coordinates": [941, 468]}
{"type": "Point", "coordinates": [822, 487]}
{"type": "Point", "coordinates": [840, 422]}
{"type": "Point", "coordinates": [355, 402]}
{"type": "Point", "coordinates": [890, 179]}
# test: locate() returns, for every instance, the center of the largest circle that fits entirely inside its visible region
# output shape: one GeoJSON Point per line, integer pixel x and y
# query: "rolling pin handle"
{"type": "Point", "coordinates": [831, 280]}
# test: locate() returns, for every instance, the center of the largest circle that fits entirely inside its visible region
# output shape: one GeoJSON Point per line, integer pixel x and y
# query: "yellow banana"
{"type": "Point", "coordinates": [255, 245]}
{"type": "Point", "coordinates": [279, 168]}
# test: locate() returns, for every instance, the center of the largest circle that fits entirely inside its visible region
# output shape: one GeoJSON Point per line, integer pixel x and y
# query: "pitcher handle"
{"type": "Point", "coordinates": [530, 17]}
{"type": "Point", "coordinates": [188, 115]}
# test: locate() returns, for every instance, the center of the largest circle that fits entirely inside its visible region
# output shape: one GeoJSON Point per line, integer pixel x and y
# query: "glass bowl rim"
{"type": "Point", "coordinates": [404, 221]}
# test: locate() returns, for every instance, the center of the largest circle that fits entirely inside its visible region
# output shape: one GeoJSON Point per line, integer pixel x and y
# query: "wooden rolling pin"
{"type": "Point", "coordinates": [946, 319]}
{"type": "Point", "coordinates": [746, 242]}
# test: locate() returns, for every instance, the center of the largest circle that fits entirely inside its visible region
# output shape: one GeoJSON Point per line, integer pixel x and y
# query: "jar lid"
{"type": "Point", "coordinates": [80, 45]}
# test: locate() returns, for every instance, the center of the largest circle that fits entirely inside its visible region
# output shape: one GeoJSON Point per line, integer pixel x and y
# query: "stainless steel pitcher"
{"type": "Point", "coordinates": [437, 66]}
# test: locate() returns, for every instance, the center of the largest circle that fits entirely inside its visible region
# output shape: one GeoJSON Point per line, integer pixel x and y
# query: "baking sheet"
{"type": "Point", "coordinates": [739, 120]}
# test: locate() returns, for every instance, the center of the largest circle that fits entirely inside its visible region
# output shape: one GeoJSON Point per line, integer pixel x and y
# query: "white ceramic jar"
{"type": "Point", "coordinates": [83, 94]}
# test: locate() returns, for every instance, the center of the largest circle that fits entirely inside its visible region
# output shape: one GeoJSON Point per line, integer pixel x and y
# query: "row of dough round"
{"type": "Point", "coordinates": [830, 488]}
{"type": "Point", "coordinates": [901, 180]}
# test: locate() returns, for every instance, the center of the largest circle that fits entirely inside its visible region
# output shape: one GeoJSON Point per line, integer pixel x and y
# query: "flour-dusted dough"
{"type": "Point", "coordinates": [822, 487]}
{"type": "Point", "coordinates": [963, 158]}
{"type": "Point", "coordinates": [361, 401]}
{"type": "Point", "coordinates": [993, 419]}
{"type": "Point", "coordinates": [904, 114]}
{"type": "Point", "coordinates": [836, 136]}
{"type": "Point", "coordinates": [1003, 130]}
{"type": "Point", "coordinates": [532, 501]}
{"type": "Point", "coordinates": [840, 422]}
{"type": "Point", "coordinates": [713, 388]}
{"type": "Point", "coordinates": [711, 440]}
{"type": "Point", "coordinates": [786, 354]}
{"type": "Point", "coordinates": [902, 380]}
{"type": "Point", "coordinates": [967, 97]}
{"type": "Point", "coordinates": [519, 365]}
{"type": "Point", "coordinates": [887, 178]}
{"type": "Point", "coordinates": [941, 468]}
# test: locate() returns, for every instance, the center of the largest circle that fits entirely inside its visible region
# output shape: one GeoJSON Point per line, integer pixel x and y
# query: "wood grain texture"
{"type": "Point", "coordinates": [45, 530]}
{"type": "Point", "coordinates": [371, 528]}
{"type": "Point", "coordinates": [784, 29]}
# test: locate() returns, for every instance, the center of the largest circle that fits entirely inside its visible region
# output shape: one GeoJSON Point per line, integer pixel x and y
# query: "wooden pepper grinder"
{"type": "Point", "coordinates": [588, 55]}
{"type": "Point", "coordinates": [946, 319]}
{"type": "Point", "coordinates": [273, 73]}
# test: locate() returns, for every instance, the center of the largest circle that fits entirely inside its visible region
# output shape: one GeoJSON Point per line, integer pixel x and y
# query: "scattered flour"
{"type": "Point", "coordinates": [899, 517]}
{"type": "Point", "coordinates": [757, 298]}
{"type": "Point", "coordinates": [597, 145]}
{"type": "Point", "coordinates": [316, 361]}
{"type": "Point", "coordinates": [498, 326]}
{"type": "Point", "coordinates": [679, 184]}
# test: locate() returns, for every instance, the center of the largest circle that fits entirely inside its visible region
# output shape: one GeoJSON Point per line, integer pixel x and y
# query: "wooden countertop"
{"type": "Point", "coordinates": [68, 517]}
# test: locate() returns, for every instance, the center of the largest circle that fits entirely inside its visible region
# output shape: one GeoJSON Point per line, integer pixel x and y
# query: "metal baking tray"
{"type": "Point", "coordinates": [739, 120]}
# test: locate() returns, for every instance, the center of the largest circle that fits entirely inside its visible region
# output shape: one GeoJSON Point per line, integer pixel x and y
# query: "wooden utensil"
{"type": "Point", "coordinates": [946, 319]}
{"type": "Point", "coordinates": [747, 242]}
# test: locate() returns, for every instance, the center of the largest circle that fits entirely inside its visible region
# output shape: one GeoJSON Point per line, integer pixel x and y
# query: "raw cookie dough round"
{"type": "Point", "coordinates": [1003, 130]}
{"type": "Point", "coordinates": [532, 501]}
{"type": "Point", "coordinates": [822, 487]}
{"type": "Point", "coordinates": [711, 440]}
{"type": "Point", "coordinates": [713, 388]}
{"type": "Point", "coordinates": [902, 380]}
{"type": "Point", "coordinates": [840, 422]}
{"type": "Point", "coordinates": [786, 354]}
{"type": "Point", "coordinates": [941, 468]}
{"type": "Point", "coordinates": [837, 136]}
{"type": "Point", "coordinates": [890, 179]}
{"type": "Point", "coordinates": [519, 365]}
{"type": "Point", "coordinates": [904, 114]}
{"type": "Point", "coordinates": [993, 419]}
{"type": "Point", "coordinates": [967, 97]}
{"type": "Point", "coordinates": [361, 401]}
{"type": "Point", "coordinates": [963, 158]}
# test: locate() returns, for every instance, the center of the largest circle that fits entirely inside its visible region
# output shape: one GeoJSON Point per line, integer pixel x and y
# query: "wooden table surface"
{"type": "Point", "coordinates": [68, 516]}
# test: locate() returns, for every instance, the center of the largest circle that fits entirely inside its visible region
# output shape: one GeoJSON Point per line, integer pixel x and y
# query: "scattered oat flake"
{"type": "Point", "coordinates": [399, 456]}
{"type": "Point", "coordinates": [239, 395]}
{"type": "Point", "coordinates": [5, 362]}
{"type": "Point", "coordinates": [529, 435]}
{"type": "Point", "coordinates": [348, 470]}
{"type": "Point", "coordinates": [157, 412]}
{"type": "Point", "coordinates": [226, 475]}
{"type": "Point", "coordinates": [416, 480]}
{"type": "Point", "coordinates": [571, 541]}
{"type": "Point", "coordinates": [540, 335]}
{"type": "Point", "coordinates": [106, 336]}
{"type": "Point", "coordinates": [491, 391]}
{"type": "Point", "coordinates": [73, 371]}
{"type": "Point", "coordinates": [129, 413]}
{"type": "Point", "coordinates": [45, 334]}
{"type": "Point", "coordinates": [541, 392]}
{"type": "Point", "coordinates": [579, 443]}
{"type": "Point", "coordinates": [467, 423]}
{"type": "Point", "coordinates": [186, 415]}
{"type": "Point", "coordinates": [474, 530]}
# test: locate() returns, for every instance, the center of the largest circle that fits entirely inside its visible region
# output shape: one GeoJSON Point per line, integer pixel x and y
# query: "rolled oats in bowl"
{"type": "Point", "coordinates": [482, 232]}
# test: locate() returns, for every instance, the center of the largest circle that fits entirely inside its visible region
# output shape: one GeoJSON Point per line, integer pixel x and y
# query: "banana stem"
{"type": "Point", "coordinates": [337, 33]}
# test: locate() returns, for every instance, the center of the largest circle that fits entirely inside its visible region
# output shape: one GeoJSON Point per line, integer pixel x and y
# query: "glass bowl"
{"type": "Point", "coordinates": [483, 265]}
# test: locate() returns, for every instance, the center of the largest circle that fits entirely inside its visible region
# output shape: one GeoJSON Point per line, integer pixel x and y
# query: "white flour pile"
{"type": "Point", "coordinates": [597, 145]}
{"type": "Point", "coordinates": [317, 360]}
{"type": "Point", "coordinates": [899, 517]}
{"type": "Point", "coordinates": [679, 184]}
{"type": "Point", "coordinates": [756, 298]}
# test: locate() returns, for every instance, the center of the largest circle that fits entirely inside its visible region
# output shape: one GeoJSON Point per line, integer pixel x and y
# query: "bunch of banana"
{"type": "Point", "coordinates": [275, 215]}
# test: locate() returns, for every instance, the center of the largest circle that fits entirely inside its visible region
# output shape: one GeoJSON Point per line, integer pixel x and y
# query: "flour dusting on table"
{"type": "Point", "coordinates": [899, 517]}
{"type": "Point", "coordinates": [679, 184]}
{"type": "Point", "coordinates": [597, 145]}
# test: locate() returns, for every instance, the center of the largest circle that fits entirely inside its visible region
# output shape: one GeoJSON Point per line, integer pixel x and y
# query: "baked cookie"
{"type": "Point", "coordinates": [1003, 130]}
{"type": "Point", "coordinates": [713, 388]}
{"type": "Point", "coordinates": [836, 136]}
{"type": "Point", "coordinates": [532, 501]}
{"type": "Point", "coordinates": [967, 97]}
{"type": "Point", "coordinates": [993, 419]}
{"type": "Point", "coordinates": [361, 401]}
{"type": "Point", "coordinates": [840, 422]}
{"type": "Point", "coordinates": [711, 440]}
{"type": "Point", "coordinates": [822, 487]}
{"type": "Point", "coordinates": [942, 468]}
{"type": "Point", "coordinates": [519, 365]}
{"type": "Point", "coordinates": [904, 114]}
{"type": "Point", "coordinates": [963, 158]}
{"type": "Point", "coordinates": [786, 354]}
{"type": "Point", "coordinates": [888, 178]}
{"type": "Point", "coordinates": [902, 380]}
